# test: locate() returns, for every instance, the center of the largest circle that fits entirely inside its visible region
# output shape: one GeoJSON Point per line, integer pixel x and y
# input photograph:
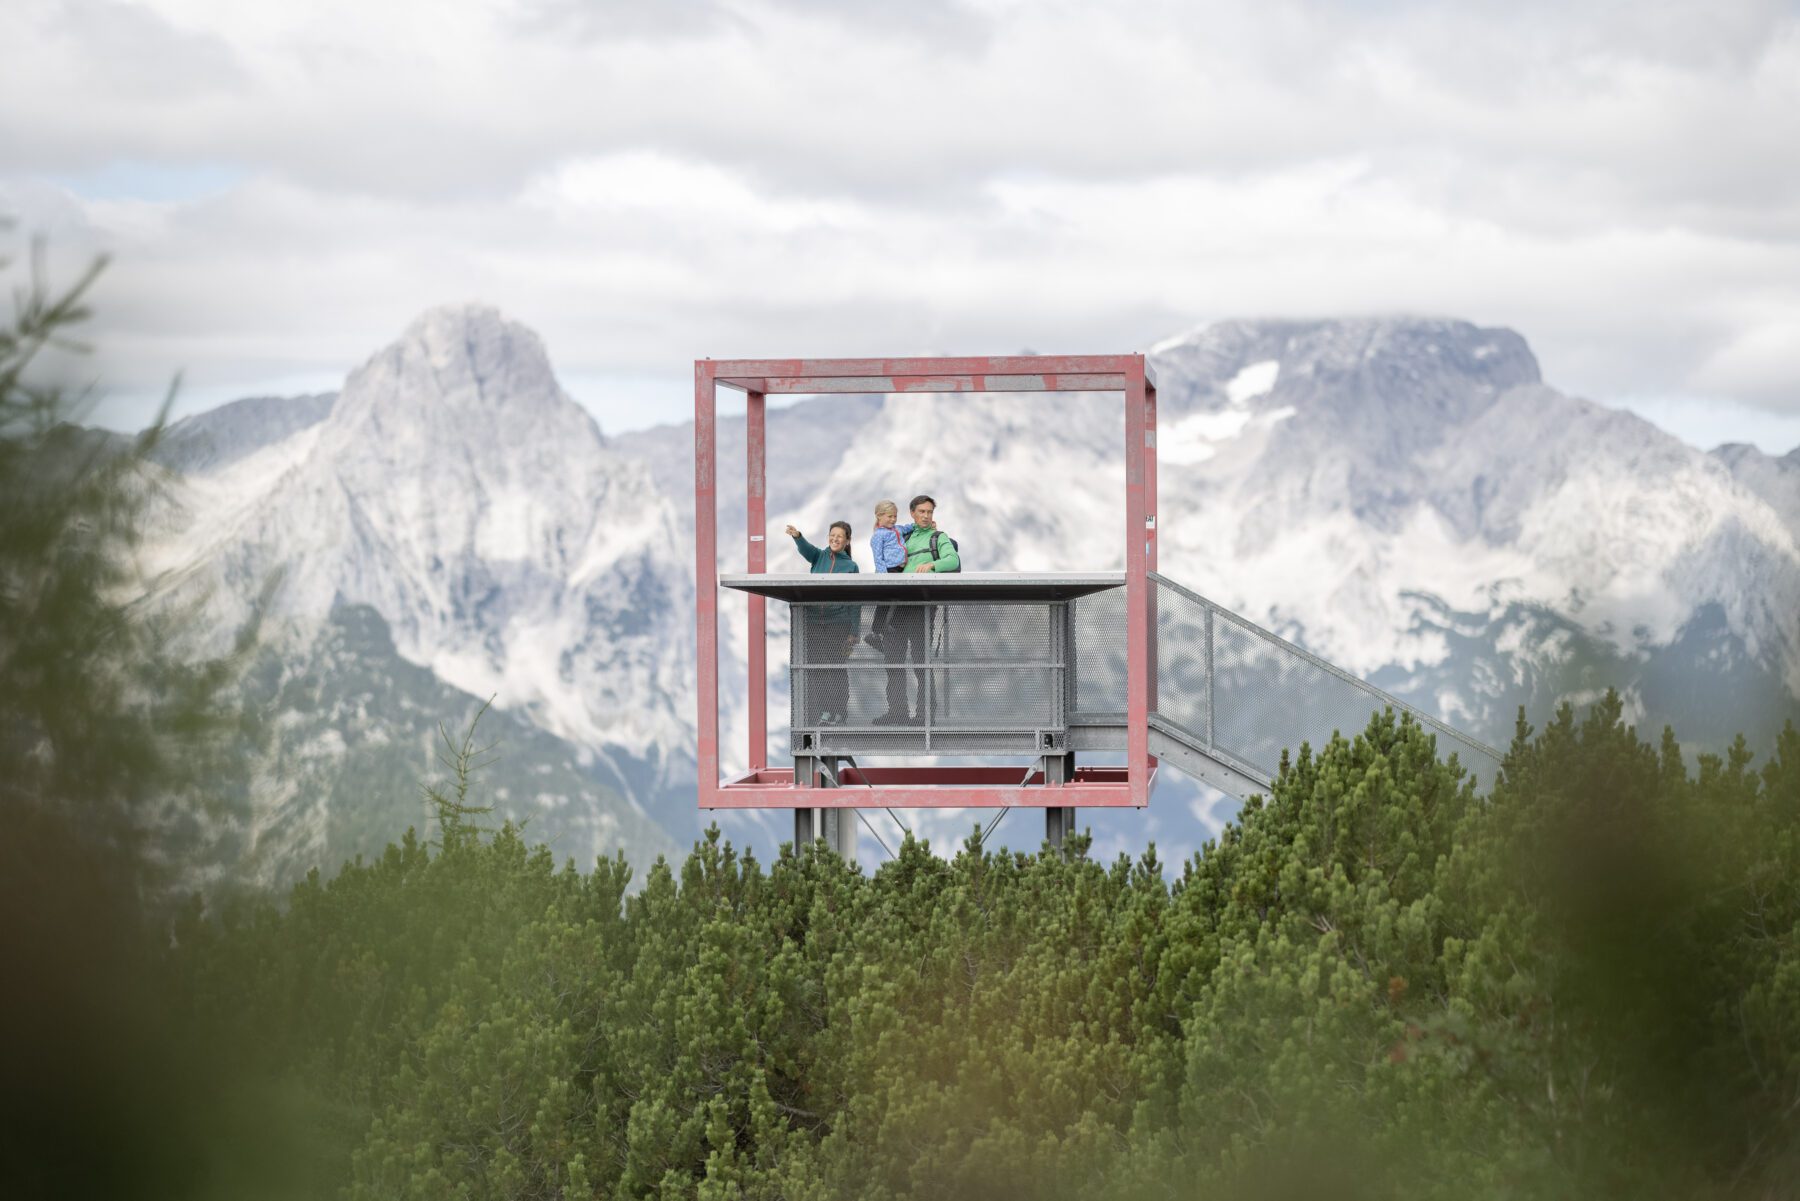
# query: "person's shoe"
{"type": "Point", "coordinates": [890, 718]}
{"type": "Point", "coordinates": [916, 719]}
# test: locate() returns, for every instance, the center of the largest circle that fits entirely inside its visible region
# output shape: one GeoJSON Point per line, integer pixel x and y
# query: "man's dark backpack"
{"type": "Point", "coordinates": [935, 535]}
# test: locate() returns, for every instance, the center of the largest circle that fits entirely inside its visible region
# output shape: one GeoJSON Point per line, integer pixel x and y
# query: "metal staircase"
{"type": "Point", "coordinates": [1230, 696]}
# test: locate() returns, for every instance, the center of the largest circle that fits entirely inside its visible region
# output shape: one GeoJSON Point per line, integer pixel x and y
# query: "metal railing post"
{"type": "Point", "coordinates": [1211, 690]}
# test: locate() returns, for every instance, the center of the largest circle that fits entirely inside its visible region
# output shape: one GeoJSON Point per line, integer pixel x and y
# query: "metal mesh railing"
{"type": "Point", "coordinates": [1231, 687]}
{"type": "Point", "coordinates": [1100, 657]}
{"type": "Point", "coordinates": [939, 677]}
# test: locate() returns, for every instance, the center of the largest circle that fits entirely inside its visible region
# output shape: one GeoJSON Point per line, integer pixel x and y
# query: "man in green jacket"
{"type": "Point", "coordinates": [910, 629]}
{"type": "Point", "coordinates": [927, 547]}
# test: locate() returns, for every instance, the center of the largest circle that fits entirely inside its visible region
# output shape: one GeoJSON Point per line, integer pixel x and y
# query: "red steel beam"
{"type": "Point", "coordinates": [756, 528]}
{"type": "Point", "coordinates": [824, 385]}
{"type": "Point", "coordinates": [706, 578]}
{"type": "Point", "coordinates": [984, 775]}
{"type": "Point", "coordinates": [1027, 364]}
{"type": "Point", "coordinates": [1152, 540]}
{"type": "Point", "coordinates": [997, 373]}
{"type": "Point", "coordinates": [916, 787]}
{"type": "Point", "coordinates": [923, 796]}
{"type": "Point", "coordinates": [1137, 586]}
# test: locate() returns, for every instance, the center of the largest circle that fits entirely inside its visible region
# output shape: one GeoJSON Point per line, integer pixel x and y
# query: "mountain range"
{"type": "Point", "coordinates": [1405, 497]}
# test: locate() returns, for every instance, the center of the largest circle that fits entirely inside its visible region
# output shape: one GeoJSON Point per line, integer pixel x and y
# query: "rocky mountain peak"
{"type": "Point", "coordinates": [218, 438]}
{"type": "Point", "coordinates": [1775, 480]}
{"type": "Point", "coordinates": [466, 366]}
{"type": "Point", "coordinates": [497, 355]}
{"type": "Point", "coordinates": [1350, 408]}
{"type": "Point", "coordinates": [1370, 351]}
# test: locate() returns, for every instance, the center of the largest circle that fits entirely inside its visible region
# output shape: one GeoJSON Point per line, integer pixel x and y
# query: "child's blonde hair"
{"type": "Point", "coordinates": [884, 507]}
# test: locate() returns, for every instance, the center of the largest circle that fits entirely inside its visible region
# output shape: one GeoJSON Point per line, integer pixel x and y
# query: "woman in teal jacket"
{"type": "Point", "coordinates": [830, 629]}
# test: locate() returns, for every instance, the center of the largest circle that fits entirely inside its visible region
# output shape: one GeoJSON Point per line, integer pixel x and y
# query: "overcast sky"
{"type": "Point", "coordinates": [283, 186]}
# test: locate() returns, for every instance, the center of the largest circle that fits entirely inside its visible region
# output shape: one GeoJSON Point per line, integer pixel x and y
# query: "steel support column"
{"type": "Point", "coordinates": [756, 524]}
{"type": "Point", "coordinates": [1152, 540]}
{"type": "Point", "coordinates": [837, 826]}
{"type": "Point", "coordinates": [706, 580]}
{"type": "Point", "coordinates": [1138, 522]}
{"type": "Point", "coordinates": [1059, 822]}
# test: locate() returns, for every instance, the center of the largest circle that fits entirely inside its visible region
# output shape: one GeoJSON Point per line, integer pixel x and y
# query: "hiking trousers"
{"type": "Point", "coordinates": [909, 632]}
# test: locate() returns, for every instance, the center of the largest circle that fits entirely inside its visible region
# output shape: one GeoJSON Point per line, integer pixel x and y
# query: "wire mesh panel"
{"type": "Point", "coordinates": [1234, 688]}
{"type": "Point", "coordinates": [1099, 637]}
{"type": "Point", "coordinates": [939, 677]}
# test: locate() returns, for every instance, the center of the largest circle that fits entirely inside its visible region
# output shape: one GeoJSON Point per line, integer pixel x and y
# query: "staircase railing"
{"type": "Point", "coordinates": [1239, 693]}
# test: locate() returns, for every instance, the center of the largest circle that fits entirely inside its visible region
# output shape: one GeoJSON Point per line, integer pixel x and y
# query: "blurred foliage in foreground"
{"type": "Point", "coordinates": [104, 722]}
{"type": "Point", "coordinates": [1375, 984]}
{"type": "Point", "coordinates": [107, 733]}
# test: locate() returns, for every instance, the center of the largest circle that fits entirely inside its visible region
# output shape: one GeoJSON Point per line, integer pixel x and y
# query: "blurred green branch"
{"type": "Point", "coordinates": [104, 709]}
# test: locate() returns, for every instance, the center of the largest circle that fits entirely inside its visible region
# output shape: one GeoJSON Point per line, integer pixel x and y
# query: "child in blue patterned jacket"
{"type": "Point", "coordinates": [889, 551]}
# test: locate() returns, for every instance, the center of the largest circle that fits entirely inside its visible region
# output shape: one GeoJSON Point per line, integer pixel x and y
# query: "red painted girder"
{"type": "Point", "coordinates": [929, 774]}
{"type": "Point", "coordinates": [706, 578]}
{"type": "Point", "coordinates": [778, 385]}
{"type": "Point", "coordinates": [1027, 364]}
{"type": "Point", "coordinates": [1153, 538]}
{"type": "Point", "coordinates": [744, 373]}
{"type": "Point", "coordinates": [1139, 666]}
{"type": "Point", "coordinates": [914, 788]}
{"type": "Point", "coordinates": [756, 553]}
{"type": "Point", "coordinates": [905, 796]}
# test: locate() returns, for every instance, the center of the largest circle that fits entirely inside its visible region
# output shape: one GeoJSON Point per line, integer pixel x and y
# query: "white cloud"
{"type": "Point", "coordinates": [775, 176]}
{"type": "Point", "coordinates": [1761, 362]}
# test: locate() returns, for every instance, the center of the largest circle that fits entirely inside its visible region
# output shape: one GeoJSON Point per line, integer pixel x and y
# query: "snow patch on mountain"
{"type": "Point", "coordinates": [1258, 379]}
{"type": "Point", "coordinates": [1185, 337]}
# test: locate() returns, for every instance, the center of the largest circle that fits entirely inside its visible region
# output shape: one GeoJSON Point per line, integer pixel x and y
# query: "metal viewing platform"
{"type": "Point", "coordinates": [924, 668]}
{"type": "Point", "coordinates": [980, 664]}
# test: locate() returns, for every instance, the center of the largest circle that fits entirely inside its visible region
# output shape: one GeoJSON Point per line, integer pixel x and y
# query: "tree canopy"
{"type": "Point", "coordinates": [1374, 982]}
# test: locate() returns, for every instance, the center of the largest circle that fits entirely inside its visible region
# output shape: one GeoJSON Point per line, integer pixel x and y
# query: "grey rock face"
{"type": "Point", "coordinates": [1776, 480]}
{"type": "Point", "coordinates": [220, 437]}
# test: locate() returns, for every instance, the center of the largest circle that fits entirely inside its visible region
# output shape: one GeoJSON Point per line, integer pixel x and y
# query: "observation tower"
{"type": "Point", "coordinates": [1052, 670]}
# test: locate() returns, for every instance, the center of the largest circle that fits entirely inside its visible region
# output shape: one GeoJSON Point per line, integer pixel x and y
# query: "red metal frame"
{"type": "Point", "coordinates": [916, 787]}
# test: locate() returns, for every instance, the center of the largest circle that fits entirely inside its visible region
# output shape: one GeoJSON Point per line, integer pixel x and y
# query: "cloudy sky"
{"type": "Point", "coordinates": [283, 186]}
